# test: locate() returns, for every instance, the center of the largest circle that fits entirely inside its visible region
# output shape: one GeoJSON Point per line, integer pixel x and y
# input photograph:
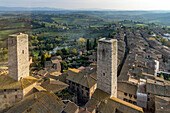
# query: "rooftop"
{"type": "Point", "coordinates": [40, 102]}
{"type": "Point", "coordinates": [17, 35]}
{"type": "Point", "coordinates": [127, 87]}
{"type": "Point", "coordinates": [158, 88]}
{"type": "Point", "coordinates": [162, 104]}
{"type": "Point", "coordinates": [8, 83]}
{"type": "Point", "coordinates": [71, 107]}
{"type": "Point", "coordinates": [85, 79]}
{"type": "Point", "coordinates": [53, 85]}
{"type": "Point", "coordinates": [108, 40]}
{"type": "Point", "coordinates": [106, 104]}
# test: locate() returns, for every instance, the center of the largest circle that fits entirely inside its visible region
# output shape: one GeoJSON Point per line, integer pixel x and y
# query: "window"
{"type": "Point", "coordinates": [87, 88]}
{"type": "Point", "coordinates": [135, 96]}
{"type": "Point", "coordinates": [103, 74]}
{"type": "Point", "coordinates": [22, 51]}
{"type": "Point", "coordinates": [125, 99]}
{"type": "Point", "coordinates": [125, 94]}
{"type": "Point", "coordinates": [15, 89]}
{"type": "Point", "coordinates": [82, 92]}
{"type": "Point", "coordinates": [87, 93]}
{"type": "Point", "coordinates": [130, 95]}
{"type": "Point", "coordinates": [130, 101]}
{"type": "Point", "coordinates": [148, 99]}
{"type": "Point", "coordinates": [134, 102]}
{"type": "Point", "coordinates": [16, 96]}
{"type": "Point", "coordinates": [4, 90]}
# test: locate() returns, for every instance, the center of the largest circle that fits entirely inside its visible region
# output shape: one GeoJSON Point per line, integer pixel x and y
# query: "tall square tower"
{"type": "Point", "coordinates": [18, 56]}
{"type": "Point", "coordinates": [107, 66]}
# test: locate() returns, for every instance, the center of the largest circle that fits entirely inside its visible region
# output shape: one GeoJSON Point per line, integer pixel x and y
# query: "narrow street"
{"type": "Point", "coordinates": [125, 56]}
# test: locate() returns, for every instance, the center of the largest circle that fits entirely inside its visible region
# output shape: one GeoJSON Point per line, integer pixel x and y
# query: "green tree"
{"type": "Point", "coordinates": [43, 60]}
{"type": "Point", "coordinates": [73, 51]}
{"type": "Point", "coordinates": [59, 52]}
{"type": "Point", "coordinates": [88, 45]}
{"type": "Point", "coordinates": [63, 66]}
{"type": "Point", "coordinates": [40, 53]}
{"type": "Point", "coordinates": [65, 51]}
{"type": "Point", "coordinates": [162, 76]}
{"type": "Point", "coordinates": [150, 33]}
{"type": "Point", "coordinates": [81, 41]}
{"type": "Point", "coordinates": [95, 43]}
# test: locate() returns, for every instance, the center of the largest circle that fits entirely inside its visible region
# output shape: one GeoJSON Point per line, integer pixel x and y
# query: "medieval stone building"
{"type": "Point", "coordinates": [107, 66]}
{"type": "Point", "coordinates": [18, 83]}
{"type": "Point", "coordinates": [18, 56]}
{"type": "Point", "coordinates": [104, 99]}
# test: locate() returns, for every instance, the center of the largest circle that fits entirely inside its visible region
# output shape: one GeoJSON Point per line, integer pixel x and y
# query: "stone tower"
{"type": "Point", "coordinates": [107, 66]}
{"type": "Point", "coordinates": [18, 56]}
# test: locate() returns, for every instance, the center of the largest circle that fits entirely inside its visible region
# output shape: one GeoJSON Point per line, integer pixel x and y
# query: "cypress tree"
{"type": "Point", "coordinates": [95, 43]}
{"type": "Point", "coordinates": [43, 60]}
{"type": "Point", "coordinates": [88, 45]}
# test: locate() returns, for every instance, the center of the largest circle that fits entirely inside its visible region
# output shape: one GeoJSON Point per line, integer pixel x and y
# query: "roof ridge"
{"type": "Point", "coordinates": [88, 82]}
{"type": "Point", "coordinates": [92, 77]}
{"type": "Point", "coordinates": [126, 103]}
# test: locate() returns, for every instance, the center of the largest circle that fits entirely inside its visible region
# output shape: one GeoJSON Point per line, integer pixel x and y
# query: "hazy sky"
{"type": "Point", "coordinates": [101, 4]}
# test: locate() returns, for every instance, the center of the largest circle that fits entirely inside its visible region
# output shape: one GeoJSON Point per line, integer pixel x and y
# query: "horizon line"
{"type": "Point", "coordinates": [87, 8]}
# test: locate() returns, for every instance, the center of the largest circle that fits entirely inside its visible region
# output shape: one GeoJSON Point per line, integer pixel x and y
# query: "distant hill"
{"type": "Point", "coordinates": [153, 16]}
{"type": "Point", "coordinates": [29, 9]}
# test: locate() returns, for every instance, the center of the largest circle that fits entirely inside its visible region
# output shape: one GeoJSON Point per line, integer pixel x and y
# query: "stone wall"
{"type": "Point", "coordinates": [107, 66]}
{"type": "Point", "coordinates": [18, 56]}
{"type": "Point", "coordinates": [9, 97]}
{"type": "Point", "coordinates": [127, 97]}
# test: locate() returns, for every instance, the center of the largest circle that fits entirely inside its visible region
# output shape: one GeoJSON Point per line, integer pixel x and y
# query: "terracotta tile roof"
{"type": "Point", "coordinates": [40, 102]}
{"type": "Point", "coordinates": [53, 85]}
{"type": "Point", "coordinates": [55, 61]}
{"type": "Point", "coordinates": [100, 95]}
{"type": "Point", "coordinates": [127, 87]}
{"type": "Point", "coordinates": [39, 88]}
{"type": "Point", "coordinates": [131, 106]}
{"type": "Point", "coordinates": [8, 83]}
{"type": "Point", "coordinates": [61, 77]}
{"type": "Point", "coordinates": [92, 104]}
{"type": "Point", "coordinates": [82, 78]}
{"type": "Point", "coordinates": [158, 88]}
{"type": "Point", "coordinates": [71, 108]}
{"type": "Point", "coordinates": [74, 70]}
{"type": "Point", "coordinates": [162, 104]}
{"type": "Point", "coordinates": [106, 104]}
{"type": "Point", "coordinates": [42, 72]}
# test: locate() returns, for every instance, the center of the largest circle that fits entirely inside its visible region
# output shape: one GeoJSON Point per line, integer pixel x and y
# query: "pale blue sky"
{"type": "Point", "coordinates": [101, 4]}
